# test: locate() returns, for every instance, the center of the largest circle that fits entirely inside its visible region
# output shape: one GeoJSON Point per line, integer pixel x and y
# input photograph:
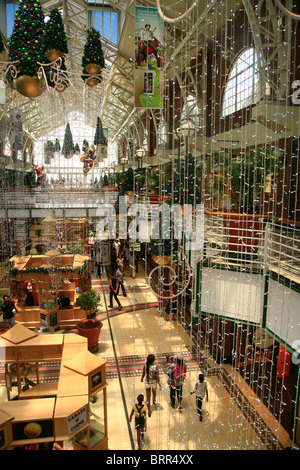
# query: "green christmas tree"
{"type": "Point", "coordinates": [49, 151]}
{"type": "Point", "coordinates": [85, 145]}
{"type": "Point", "coordinates": [55, 36]}
{"type": "Point", "coordinates": [68, 145]}
{"type": "Point", "coordinates": [57, 146]}
{"type": "Point", "coordinates": [1, 43]}
{"type": "Point", "coordinates": [99, 138]}
{"type": "Point", "coordinates": [93, 54]}
{"type": "Point", "coordinates": [77, 149]}
{"type": "Point", "coordinates": [27, 43]}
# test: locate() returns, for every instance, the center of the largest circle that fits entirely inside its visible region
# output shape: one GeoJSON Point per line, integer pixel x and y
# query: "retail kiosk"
{"type": "Point", "coordinates": [53, 411]}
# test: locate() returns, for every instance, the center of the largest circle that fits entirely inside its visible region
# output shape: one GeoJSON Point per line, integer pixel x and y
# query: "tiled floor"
{"type": "Point", "coordinates": [233, 417]}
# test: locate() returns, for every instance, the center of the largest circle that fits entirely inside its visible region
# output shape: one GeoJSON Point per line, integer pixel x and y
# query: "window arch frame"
{"type": "Point", "coordinates": [233, 74]}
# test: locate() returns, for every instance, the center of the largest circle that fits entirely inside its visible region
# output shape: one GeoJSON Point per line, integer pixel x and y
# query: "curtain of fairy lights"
{"type": "Point", "coordinates": [249, 165]}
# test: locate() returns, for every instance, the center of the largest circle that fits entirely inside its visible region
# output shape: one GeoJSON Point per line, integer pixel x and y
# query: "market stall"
{"type": "Point", "coordinates": [45, 288]}
{"type": "Point", "coordinates": [59, 411]}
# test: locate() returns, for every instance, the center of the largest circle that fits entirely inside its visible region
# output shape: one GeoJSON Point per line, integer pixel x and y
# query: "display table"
{"type": "Point", "coordinates": [53, 411]}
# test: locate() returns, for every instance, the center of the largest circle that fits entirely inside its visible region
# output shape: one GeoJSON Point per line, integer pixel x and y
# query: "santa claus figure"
{"type": "Point", "coordinates": [88, 159]}
{"type": "Point", "coordinates": [41, 175]}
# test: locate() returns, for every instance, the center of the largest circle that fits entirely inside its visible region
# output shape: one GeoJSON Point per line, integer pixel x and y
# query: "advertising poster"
{"type": "Point", "coordinates": [149, 40]}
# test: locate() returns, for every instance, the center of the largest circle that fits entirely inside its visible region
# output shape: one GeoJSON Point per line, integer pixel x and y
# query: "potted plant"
{"type": "Point", "coordinates": [162, 248]}
{"type": "Point", "coordinates": [89, 327]}
{"type": "Point", "coordinates": [241, 180]}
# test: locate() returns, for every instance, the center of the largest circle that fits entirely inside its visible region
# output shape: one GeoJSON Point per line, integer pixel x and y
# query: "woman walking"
{"type": "Point", "coordinates": [151, 376]}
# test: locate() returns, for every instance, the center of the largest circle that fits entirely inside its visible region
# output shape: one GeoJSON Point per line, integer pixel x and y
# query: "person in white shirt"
{"type": "Point", "coordinates": [201, 390]}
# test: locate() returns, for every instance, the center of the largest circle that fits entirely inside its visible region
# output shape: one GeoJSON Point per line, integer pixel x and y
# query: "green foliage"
{"type": "Point", "coordinates": [242, 177]}
{"type": "Point", "coordinates": [88, 301]}
{"type": "Point", "coordinates": [57, 145]}
{"type": "Point", "coordinates": [105, 180]}
{"type": "Point", "coordinates": [29, 179]}
{"type": "Point", "coordinates": [186, 191]}
{"type": "Point", "coordinates": [28, 45]}
{"type": "Point", "coordinates": [85, 145]}
{"type": "Point", "coordinates": [55, 36]}
{"type": "Point", "coordinates": [129, 180]}
{"type": "Point", "coordinates": [76, 148]}
{"type": "Point", "coordinates": [162, 240]}
{"type": "Point", "coordinates": [68, 145]}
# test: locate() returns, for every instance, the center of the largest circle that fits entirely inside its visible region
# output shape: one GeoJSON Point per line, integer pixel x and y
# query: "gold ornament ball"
{"type": "Point", "coordinates": [28, 86]}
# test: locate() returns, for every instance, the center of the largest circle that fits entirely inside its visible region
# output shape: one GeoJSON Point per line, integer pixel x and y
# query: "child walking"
{"type": "Point", "coordinates": [139, 410]}
{"type": "Point", "coordinates": [201, 390]}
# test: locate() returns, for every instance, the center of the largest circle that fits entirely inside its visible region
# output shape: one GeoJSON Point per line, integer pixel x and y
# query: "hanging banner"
{"type": "Point", "coordinates": [149, 40]}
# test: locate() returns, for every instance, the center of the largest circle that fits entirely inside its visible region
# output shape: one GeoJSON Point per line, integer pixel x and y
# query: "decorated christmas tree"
{"type": "Point", "coordinates": [76, 149]}
{"type": "Point", "coordinates": [93, 57]}
{"type": "Point", "coordinates": [27, 43]}
{"type": "Point", "coordinates": [55, 36]}
{"type": "Point", "coordinates": [99, 138]}
{"type": "Point", "coordinates": [68, 145]}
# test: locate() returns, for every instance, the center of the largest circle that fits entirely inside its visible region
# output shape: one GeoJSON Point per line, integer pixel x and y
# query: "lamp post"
{"type": "Point", "coordinates": [123, 162]}
{"type": "Point", "coordinates": [140, 154]}
{"type": "Point", "coordinates": [184, 133]}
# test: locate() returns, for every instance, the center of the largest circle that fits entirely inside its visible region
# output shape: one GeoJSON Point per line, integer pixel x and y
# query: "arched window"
{"type": "Point", "coordinates": [242, 87]}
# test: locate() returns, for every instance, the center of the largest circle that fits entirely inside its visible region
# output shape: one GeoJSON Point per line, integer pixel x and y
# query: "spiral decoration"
{"type": "Point", "coordinates": [170, 284]}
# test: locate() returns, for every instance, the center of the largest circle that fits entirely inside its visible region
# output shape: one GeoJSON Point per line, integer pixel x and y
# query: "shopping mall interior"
{"type": "Point", "coordinates": [150, 225]}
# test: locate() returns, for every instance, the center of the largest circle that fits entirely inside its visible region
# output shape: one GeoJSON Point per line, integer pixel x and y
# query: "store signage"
{"type": "Point", "coordinates": [296, 93]}
{"type": "Point", "coordinates": [77, 419]}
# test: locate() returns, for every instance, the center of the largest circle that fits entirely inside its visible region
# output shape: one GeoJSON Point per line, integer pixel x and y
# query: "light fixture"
{"type": "Point", "coordinates": [140, 153]}
{"type": "Point", "coordinates": [186, 130]}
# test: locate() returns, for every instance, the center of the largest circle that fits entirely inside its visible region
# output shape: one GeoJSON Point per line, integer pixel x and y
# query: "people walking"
{"type": "Point", "coordinates": [8, 309]}
{"type": "Point", "coordinates": [139, 411]}
{"type": "Point", "coordinates": [113, 289]}
{"type": "Point", "coordinates": [179, 378]}
{"type": "Point", "coordinates": [98, 259]}
{"type": "Point", "coordinates": [151, 375]}
{"type": "Point", "coordinates": [28, 244]}
{"type": "Point", "coordinates": [200, 390]}
{"type": "Point", "coordinates": [119, 274]}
